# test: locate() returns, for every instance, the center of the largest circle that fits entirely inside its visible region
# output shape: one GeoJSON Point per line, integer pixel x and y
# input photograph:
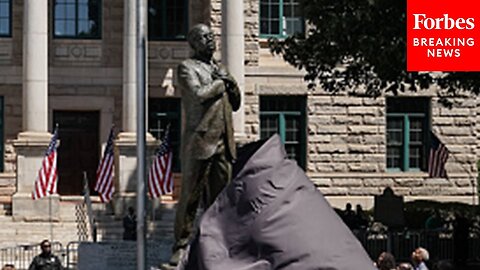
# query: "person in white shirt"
{"type": "Point", "coordinates": [419, 257]}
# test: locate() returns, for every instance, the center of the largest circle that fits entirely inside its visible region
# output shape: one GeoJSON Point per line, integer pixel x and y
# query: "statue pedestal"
{"type": "Point", "coordinates": [31, 148]}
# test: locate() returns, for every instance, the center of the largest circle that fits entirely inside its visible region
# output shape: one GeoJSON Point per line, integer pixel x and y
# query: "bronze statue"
{"type": "Point", "coordinates": [209, 95]}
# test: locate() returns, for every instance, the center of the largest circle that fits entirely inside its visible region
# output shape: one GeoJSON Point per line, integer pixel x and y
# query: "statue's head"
{"type": "Point", "coordinates": [201, 39]}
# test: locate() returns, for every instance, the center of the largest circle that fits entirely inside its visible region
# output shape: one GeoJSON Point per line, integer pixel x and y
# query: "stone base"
{"type": "Point", "coordinates": [44, 209]}
{"type": "Point", "coordinates": [33, 138]}
{"type": "Point", "coordinates": [120, 255]}
{"type": "Point", "coordinates": [30, 148]}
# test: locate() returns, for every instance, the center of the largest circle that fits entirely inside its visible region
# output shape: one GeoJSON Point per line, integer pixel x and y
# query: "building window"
{"type": "Point", "coordinates": [285, 115]}
{"type": "Point", "coordinates": [77, 19]}
{"type": "Point", "coordinates": [161, 112]}
{"type": "Point", "coordinates": [5, 18]}
{"type": "Point", "coordinates": [408, 122]}
{"type": "Point", "coordinates": [280, 18]}
{"type": "Point", "coordinates": [167, 19]}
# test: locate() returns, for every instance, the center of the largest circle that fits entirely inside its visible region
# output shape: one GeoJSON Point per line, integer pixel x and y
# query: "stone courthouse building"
{"type": "Point", "coordinates": [72, 62]}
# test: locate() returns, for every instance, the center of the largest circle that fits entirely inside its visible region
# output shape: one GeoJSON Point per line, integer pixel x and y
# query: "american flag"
{"type": "Point", "coordinates": [437, 159]}
{"type": "Point", "coordinates": [46, 182]}
{"type": "Point", "coordinates": [104, 184]}
{"type": "Point", "coordinates": [160, 178]}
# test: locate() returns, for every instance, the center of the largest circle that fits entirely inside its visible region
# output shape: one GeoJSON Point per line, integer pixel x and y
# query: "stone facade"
{"type": "Point", "coordinates": [346, 144]}
{"type": "Point", "coordinates": [478, 126]}
{"type": "Point", "coordinates": [11, 90]}
{"type": "Point", "coordinates": [346, 136]}
{"type": "Point", "coordinates": [251, 24]}
{"type": "Point", "coordinates": [346, 141]}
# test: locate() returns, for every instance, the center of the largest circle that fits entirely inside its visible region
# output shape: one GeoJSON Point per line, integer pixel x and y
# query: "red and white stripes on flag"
{"type": "Point", "coordinates": [104, 184]}
{"type": "Point", "coordinates": [160, 177]}
{"type": "Point", "coordinates": [46, 182]}
{"type": "Point", "coordinates": [437, 159]}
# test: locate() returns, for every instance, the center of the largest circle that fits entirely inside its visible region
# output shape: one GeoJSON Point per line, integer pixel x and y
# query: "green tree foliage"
{"type": "Point", "coordinates": [360, 44]}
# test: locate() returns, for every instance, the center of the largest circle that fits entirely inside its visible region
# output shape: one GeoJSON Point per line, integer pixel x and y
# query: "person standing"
{"type": "Point", "coordinates": [405, 266]}
{"type": "Point", "coordinates": [130, 225]}
{"type": "Point", "coordinates": [209, 95]}
{"type": "Point", "coordinates": [349, 217]}
{"type": "Point", "coordinates": [419, 257]}
{"type": "Point", "coordinates": [46, 260]}
{"type": "Point", "coordinates": [386, 261]}
{"type": "Point", "coordinates": [461, 229]}
{"type": "Point", "coordinates": [361, 217]}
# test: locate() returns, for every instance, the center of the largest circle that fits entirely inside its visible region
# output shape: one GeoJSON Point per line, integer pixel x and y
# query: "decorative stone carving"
{"type": "Point", "coordinates": [83, 52]}
{"type": "Point", "coordinates": [167, 53]}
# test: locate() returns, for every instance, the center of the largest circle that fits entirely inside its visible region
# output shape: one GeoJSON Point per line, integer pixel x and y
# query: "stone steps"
{"type": "Point", "coordinates": [16, 235]}
{"type": "Point", "coordinates": [21, 232]}
{"type": "Point", "coordinates": [31, 235]}
{"type": "Point", "coordinates": [109, 227]}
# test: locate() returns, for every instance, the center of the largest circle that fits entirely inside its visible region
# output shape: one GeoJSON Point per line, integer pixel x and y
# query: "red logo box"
{"type": "Point", "coordinates": [443, 35]}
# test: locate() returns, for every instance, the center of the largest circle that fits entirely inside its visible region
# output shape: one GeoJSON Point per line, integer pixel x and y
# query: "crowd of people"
{"type": "Point", "coordinates": [46, 260]}
{"type": "Point", "coordinates": [355, 219]}
{"type": "Point", "coordinates": [437, 222]}
{"type": "Point", "coordinates": [419, 261]}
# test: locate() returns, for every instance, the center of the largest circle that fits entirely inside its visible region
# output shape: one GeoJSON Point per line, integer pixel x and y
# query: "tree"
{"type": "Point", "coordinates": [359, 46]}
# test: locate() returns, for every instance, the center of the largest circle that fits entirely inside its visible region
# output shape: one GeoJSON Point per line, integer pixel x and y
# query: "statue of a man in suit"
{"type": "Point", "coordinates": [209, 95]}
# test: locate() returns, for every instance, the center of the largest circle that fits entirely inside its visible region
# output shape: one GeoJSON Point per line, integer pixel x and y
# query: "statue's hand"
{"type": "Point", "coordinates": [222, 72]}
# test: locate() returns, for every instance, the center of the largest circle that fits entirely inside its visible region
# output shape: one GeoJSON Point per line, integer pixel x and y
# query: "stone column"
{"type": "Point", "coordinates": [33, 141]}
{"type": "Point", "coordinates": [129, 68]}
{"type": "Point", "coordinates": [125, 169]}
{"type": "Point", "coordinates": [233, 53]}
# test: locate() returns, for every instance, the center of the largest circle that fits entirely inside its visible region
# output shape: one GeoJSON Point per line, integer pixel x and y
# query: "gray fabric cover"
{"type": "Point", "coordinates": [271, 216]}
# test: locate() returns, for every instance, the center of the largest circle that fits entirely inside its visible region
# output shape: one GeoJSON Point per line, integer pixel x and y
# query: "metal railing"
{"type": "Point", "coordinates": [72, 255]}
{"type": "Point", "coordinates": [440, 244]}
{"type": "Point", "coordinates": [22, 255]}
{"type": "Point", "coordinates": [401, 244]}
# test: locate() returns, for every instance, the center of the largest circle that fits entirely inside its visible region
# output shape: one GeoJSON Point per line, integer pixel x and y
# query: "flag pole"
{"type": "Point", "coordinates": [141, 133]}
{"type": "Point", "coordinates": [88, 203]}
{"type": "Point", "coordinates": [50, 216]}
{"type": "Point", "coordinates": [153, 209]}
{"type": "Point", "coordinates": [50, 195]}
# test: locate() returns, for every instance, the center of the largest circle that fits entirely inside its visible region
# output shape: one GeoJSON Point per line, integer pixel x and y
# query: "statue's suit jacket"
{"type": "Point", "coordinates": [208, 110]}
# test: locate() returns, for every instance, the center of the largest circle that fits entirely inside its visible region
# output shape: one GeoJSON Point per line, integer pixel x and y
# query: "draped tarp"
{"type": "Point", "coordinates": [271, 216]}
